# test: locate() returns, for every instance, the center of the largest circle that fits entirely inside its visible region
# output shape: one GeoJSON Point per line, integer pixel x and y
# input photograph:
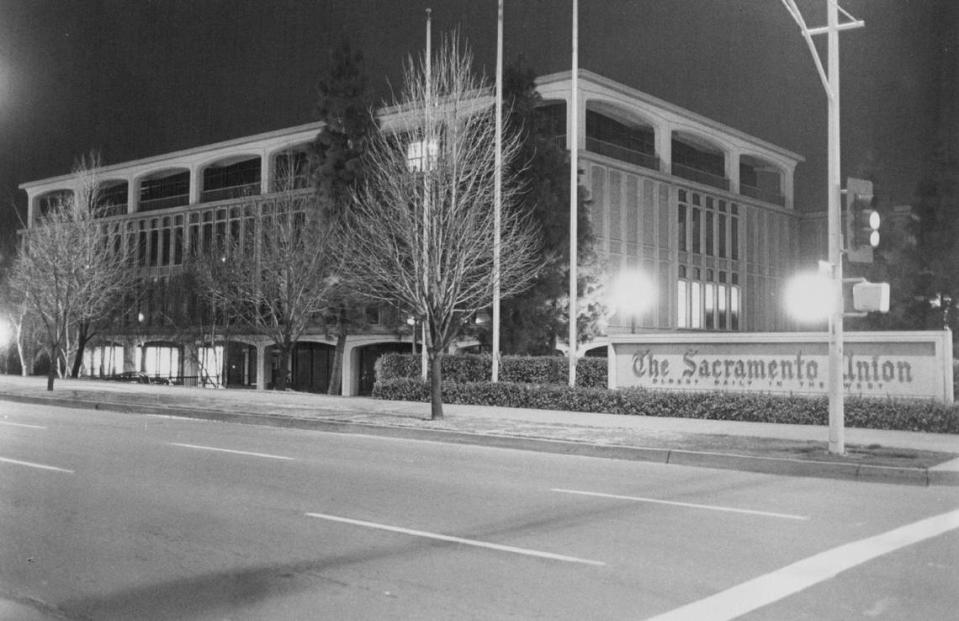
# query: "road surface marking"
{"type": "Point", "coordinates": [4, 422]}
{"type": "Point", "coordinates": [34, 465]}
{"type": "Point", "coordinates": [801, 575]}
{"type": "Point", "coordinates": [223, 450]}
{"type": "Point", "coordinates": [787, 516]}
{"type": "Point", "coordinates": [469, 542]}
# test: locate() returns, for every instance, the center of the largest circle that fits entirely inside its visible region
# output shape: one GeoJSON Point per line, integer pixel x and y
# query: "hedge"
{"type": "Point", "coordinates": [540, 383]}
{"type": "Point", "coordinates": [464, 368]}
{"type": "Point", "coordinates": [866, 413]}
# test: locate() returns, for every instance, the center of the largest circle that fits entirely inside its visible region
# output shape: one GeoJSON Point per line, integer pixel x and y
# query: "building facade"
{"type": "Point", "coordinates": [704, 210]}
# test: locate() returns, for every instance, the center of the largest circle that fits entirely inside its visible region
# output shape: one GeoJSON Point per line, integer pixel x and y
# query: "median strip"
{"type": "Point", "coordinates": [223, 450]}
{"type": "Point", "coordinates": [451, 539]}
{"type": "Point", "coordinates": [690, 505]}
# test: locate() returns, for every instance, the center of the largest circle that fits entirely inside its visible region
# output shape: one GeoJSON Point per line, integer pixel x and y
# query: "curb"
{"type": "Point", "coordinates": [700, 459]}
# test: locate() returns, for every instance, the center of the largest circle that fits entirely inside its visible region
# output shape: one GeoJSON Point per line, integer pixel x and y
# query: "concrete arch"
{"type": "Point", "coordinates": [230, 188]}
{"type": "Point", "coordinates": [160, 201]}
{"type": "Point", "coordinates": [276, 180]}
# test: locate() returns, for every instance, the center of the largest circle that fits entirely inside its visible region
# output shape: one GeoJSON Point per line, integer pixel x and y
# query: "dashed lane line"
{"type": "Point", "coordinates": [12, 424]}
{"type": "Point", "coordinates": [234, 452]}
{"type": "Point", "coordinates": [690, 505]}
{"type": "Point", "coordinates": [461, 540]}
{"type": "Point", "coordinates": [31, 464]}
{"type": "Point", "coordinates": [777, 585]}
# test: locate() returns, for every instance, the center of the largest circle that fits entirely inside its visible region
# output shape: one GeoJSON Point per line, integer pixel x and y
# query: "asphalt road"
{"type": "Point", "coordinates": [122, 516]}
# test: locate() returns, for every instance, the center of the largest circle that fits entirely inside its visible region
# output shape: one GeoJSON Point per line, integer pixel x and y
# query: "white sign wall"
{"type": "Point", "coordinates": [914, 365]}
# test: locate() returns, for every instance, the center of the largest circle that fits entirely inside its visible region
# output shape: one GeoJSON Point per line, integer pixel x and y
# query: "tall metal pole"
{"type": "Point", "coordinates": [830, 81]}
{"type": "Point", "coordinates": [573, 143]}
{"type": "Point", "coordinates": [498, 190]}
{"type": "Point", "coordinates": [837, 444]}
{"type": "Point", "coordinates": [427, 173]}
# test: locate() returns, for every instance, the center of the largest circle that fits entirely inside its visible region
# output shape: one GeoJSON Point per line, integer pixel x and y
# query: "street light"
{"type": "Point", "coordinates": [810, 297]}
{"type": "Point", "coordinates": [632, 293]}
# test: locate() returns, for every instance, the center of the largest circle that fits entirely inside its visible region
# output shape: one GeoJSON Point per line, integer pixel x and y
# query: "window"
{"type": "Point", "coordinates": [734, 307]}
{"type": "Point", "coordinates": [682, 228]}
{"type": "Point", "coordinates": [419, 158]}
{"type": "Point", "coordinates": [705, 302]}
{"type": "Point", "coordinates": [682, 305]}
{"type": "Point", "coordinates": [710, 232]}
{"type": "Point", "coordinates": [721, 229]}
{"type": "Point", "coordinates": [734, 234]}
{"type": "Point", "coordinates": [697, 230]}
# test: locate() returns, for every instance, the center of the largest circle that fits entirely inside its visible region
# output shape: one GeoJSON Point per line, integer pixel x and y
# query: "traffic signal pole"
{"type": "Point", "coordinates": [830, 80]}
{"type": "Point", "coordinates": [837, 426]}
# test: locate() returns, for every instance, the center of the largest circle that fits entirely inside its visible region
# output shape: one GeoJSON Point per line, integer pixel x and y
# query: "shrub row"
{"type": "Point", "coordinates": [464, 368]}
{"type": "Point", "coordinates": [859, 412]}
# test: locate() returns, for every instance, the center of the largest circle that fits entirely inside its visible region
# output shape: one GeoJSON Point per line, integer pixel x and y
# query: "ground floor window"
{"type": "Point", "coordinates": [103, 360]}
{"type": "Point", "coordinates": [707, 299]}
{"type": "Point", "coordinates": [210, 366]}
{"type": "Point", "coordinates": [159, 360]}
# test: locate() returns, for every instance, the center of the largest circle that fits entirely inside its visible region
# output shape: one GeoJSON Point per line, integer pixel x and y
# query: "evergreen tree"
{"type": "Point", "coordinates": [533, 322]}
{"type": "Point", "coordinates": [338, 161]}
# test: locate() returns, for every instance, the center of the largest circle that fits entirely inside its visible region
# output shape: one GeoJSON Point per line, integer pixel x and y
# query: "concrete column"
{"type": "Point", "coordinates": [196, 184]}
{"type": "Point", "coordinates": [261, 365]}
{"type": "Point", "coordinates": [133, 195]}
{"type": "Point", "coordinates": [788, 189]}
{"type": "Point", "coordinates": [266, 173]}
{"type": "Point", "coordinates": [351, 365]}
{"type": "Point", "coordinates": [130, 355]}
{"type": "Point", "coordinates": [664, 147]}
{"type": "Point", "coordinates": [732, 169]}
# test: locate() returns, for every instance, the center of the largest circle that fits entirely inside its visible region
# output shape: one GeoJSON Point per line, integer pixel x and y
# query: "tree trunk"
{"type": "Point", "coordinates": [83, 337]}
{"type": "Point", "coordinates": [336, 373]}
{"type": "Point", "coordinates": [52, 367]}
{"type": "Point", "coordinates": [436, 385]}
{"type": "Point", "coordinates": [283, 380]}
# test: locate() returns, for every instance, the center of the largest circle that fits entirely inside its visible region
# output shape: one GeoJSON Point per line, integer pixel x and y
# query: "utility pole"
{"type": "Point", "coordinates": [573, 142]}
{"type": "Point", "coordinates": [830, 80]}
{"type": "Point", "coordinates": [497, 191]}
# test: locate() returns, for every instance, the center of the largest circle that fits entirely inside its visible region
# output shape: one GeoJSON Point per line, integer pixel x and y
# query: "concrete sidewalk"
{"type": "Point", "coordinates": [873, 455]}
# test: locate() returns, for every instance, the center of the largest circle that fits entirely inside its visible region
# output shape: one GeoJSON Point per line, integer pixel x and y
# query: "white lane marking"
{"type": "Point", "coordinates": [4, 422]}
{"type": "Point", "coordinates": [803, 574]}
{"type": "Point", "coordinates": [469, 542]}
{"type": "Point", "coordinates": [690, 505]}
{"type": "Point", "coordinates": [34, 465]}
{"type": "Point", "coordinates": [223, 450]}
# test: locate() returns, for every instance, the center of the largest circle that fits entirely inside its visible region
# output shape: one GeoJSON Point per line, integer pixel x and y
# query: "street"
{"type": "Point", "coordinates": [124, 516]}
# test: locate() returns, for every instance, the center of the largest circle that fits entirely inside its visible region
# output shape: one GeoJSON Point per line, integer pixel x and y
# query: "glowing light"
{"type": "Point", "coordinates": [810, 297]}
{"type": "Point", "coordinates": [632, 293]}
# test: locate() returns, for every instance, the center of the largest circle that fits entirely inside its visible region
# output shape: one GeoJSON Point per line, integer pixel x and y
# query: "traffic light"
{"type": "Point", "coordinates": [862, 221]}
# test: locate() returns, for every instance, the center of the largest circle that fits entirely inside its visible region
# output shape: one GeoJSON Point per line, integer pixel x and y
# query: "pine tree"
{"type": "Point", "coordinates": [338, 162]}
{"type": "Point", "coordinates": [533, 322]}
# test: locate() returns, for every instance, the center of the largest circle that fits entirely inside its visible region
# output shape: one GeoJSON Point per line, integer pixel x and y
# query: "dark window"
{"type": "Point", "coordinates": [682, 228]}
{"type": "Point", "coordinates": [634, 144]}
{"type": "Point", "coordinates": [164, 192]}
{"type": "Point", "coordinates": [710, 231]}
{"type": "Point", "coordinates": [697, 230]}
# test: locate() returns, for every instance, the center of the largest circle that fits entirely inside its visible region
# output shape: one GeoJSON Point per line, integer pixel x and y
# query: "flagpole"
{"type": "Point", "coordinates": [573, 144]}
{"type": "Point", "coordinates": [497, 191]}
{"type": "Point", "coordinates": [425, 152]}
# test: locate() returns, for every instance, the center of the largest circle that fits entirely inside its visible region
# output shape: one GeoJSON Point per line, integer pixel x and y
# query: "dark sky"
{"type": "Point", "coordinates": [134, 78]}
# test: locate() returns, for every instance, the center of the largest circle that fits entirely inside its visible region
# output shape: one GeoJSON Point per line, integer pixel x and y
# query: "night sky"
{"type": "Point", "coordinates": [135, 78]}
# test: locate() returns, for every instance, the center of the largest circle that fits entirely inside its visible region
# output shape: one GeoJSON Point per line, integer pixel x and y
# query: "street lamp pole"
{"type": "Point", "coordinates": [573, 144]}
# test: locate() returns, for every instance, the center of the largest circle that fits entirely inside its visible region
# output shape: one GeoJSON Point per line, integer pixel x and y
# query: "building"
{"type": "Point", "coordinates": [705, 210]}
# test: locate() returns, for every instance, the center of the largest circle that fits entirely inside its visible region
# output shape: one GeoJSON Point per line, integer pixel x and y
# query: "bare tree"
{"type": "Point", "coordinates": [420, 235]}
{"type": "Point", "coordinates": [71, 267]}
{"type": "Point", "coordinates": [275, 276]}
